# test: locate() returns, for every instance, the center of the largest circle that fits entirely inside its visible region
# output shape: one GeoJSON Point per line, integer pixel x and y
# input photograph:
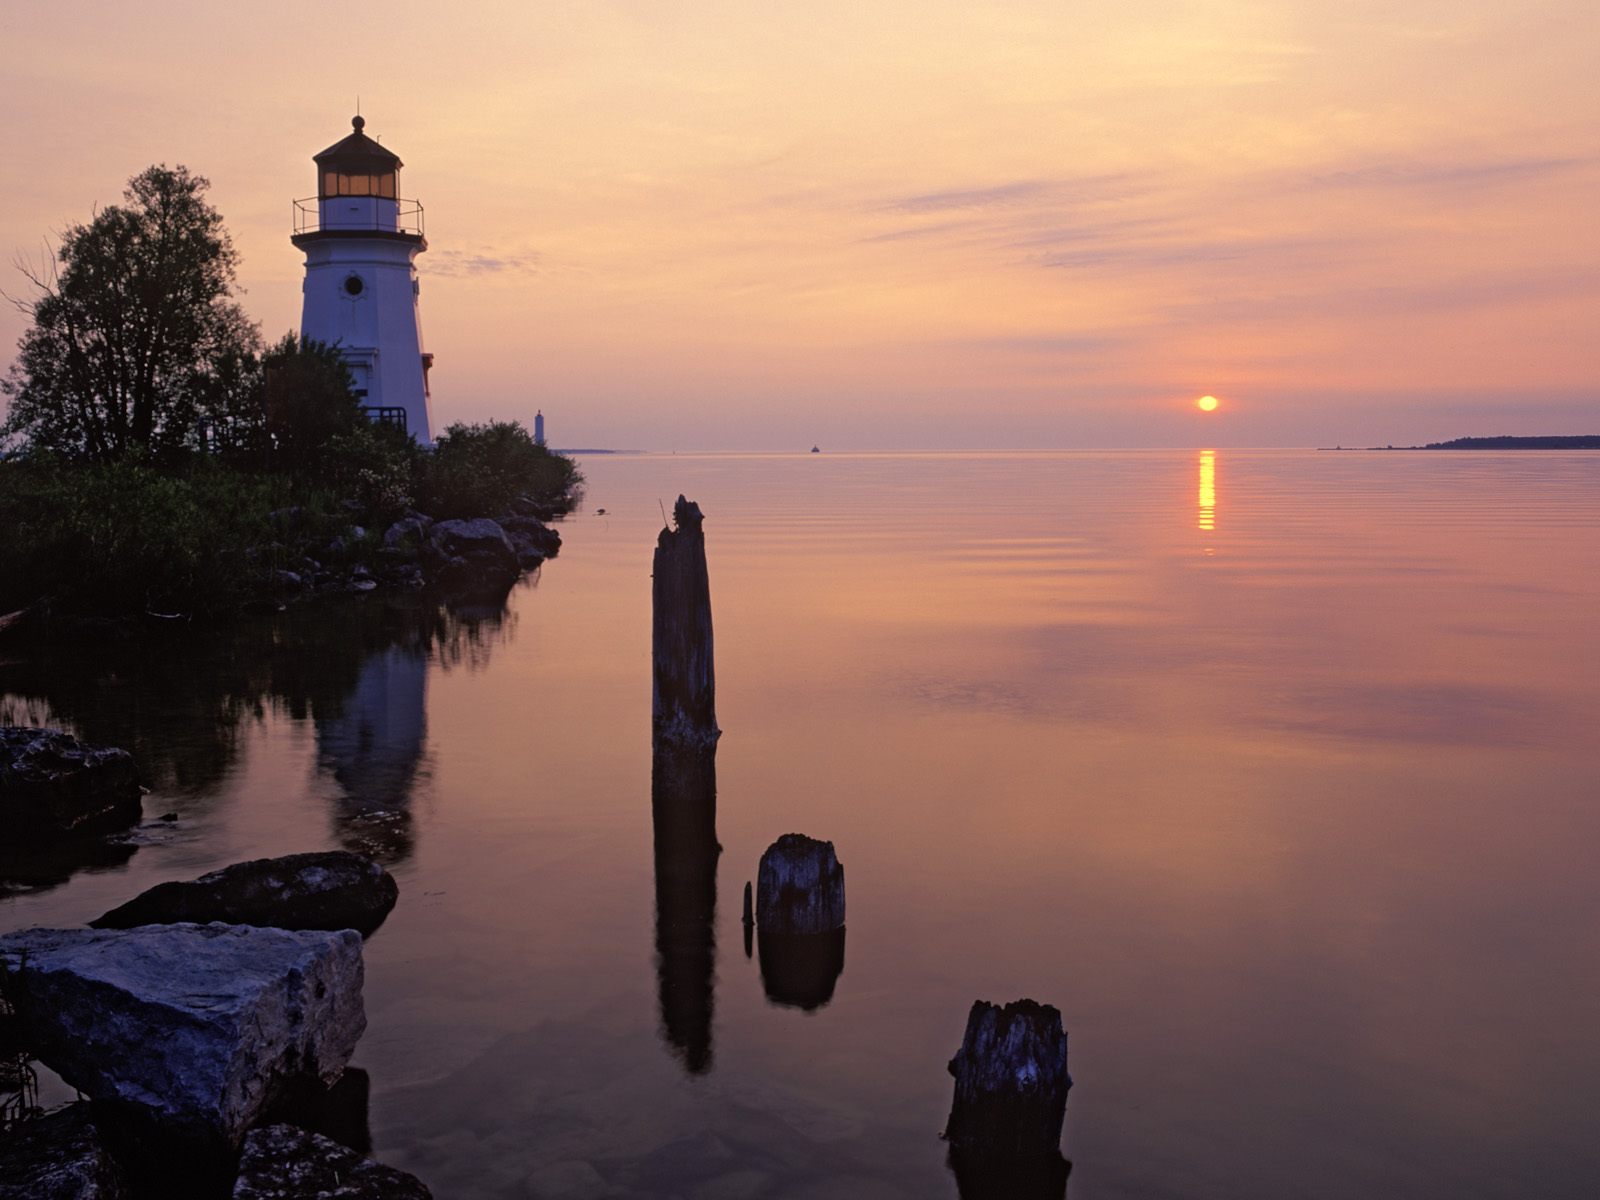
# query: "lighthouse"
{"type": "Point", "coordinates": [361, 242]}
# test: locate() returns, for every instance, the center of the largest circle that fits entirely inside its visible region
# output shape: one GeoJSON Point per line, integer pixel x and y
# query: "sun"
{"type": "Point", "coordinates": [1206, 403]}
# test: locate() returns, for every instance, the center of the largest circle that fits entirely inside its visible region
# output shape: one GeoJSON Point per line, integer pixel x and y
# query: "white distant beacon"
{"type": "Point", "coordinates": [538, 428]}
{"type": "Point", "coordinates": [361, 243]}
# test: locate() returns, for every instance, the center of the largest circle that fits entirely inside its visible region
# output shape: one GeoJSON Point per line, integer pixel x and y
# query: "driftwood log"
{"type": "Point", "coordinates": [683, 709]}
{"type": "Point", "coordinates": [800, 887]}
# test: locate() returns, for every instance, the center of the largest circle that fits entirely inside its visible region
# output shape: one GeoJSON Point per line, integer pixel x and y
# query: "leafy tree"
{"type": "Point", "coordinates": [310, 400]}
{"type": "Point", "coordinates": [136, 341]}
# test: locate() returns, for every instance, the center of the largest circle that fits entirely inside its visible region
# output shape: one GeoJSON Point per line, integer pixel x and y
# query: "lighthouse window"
{"type": "Point", "coordinates": [358, 183]}
{"type": "Point", "coordinates": [353, 285]}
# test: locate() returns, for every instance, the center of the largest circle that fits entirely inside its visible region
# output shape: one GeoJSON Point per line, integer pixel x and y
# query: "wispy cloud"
{"type": "Point", "coordinates": [1003, 195]}
{"type": "Point", "coordinates": [1020, 193]}
{"type": "Point", "coordinates": [1453, 175]}
{"type": "Point", "coordinates": [463, 262]}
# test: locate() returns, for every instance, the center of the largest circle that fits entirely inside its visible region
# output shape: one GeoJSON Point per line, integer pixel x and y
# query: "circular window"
{"type": "Point", "coordinates": [353, 286]}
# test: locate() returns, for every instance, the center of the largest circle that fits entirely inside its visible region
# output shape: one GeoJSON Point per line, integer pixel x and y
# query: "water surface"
{"type": "Point", "coordinates": [1274, 771]}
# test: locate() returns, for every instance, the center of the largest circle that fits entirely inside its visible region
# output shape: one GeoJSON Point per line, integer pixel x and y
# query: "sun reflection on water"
{"type": "Point", "coordinates": [1208, 490]}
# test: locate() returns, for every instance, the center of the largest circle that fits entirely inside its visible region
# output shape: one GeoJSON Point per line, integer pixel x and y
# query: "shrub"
{"type": "Point", "coordinates": [122, 537]}
{"type": "Point", "coordinates": [482, 470]}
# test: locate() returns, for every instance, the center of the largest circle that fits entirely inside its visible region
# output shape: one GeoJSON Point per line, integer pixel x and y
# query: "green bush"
{"type": "Point", "coordinates": [482, 470]}
{"type": "Point", "coordinates": [122, 537]}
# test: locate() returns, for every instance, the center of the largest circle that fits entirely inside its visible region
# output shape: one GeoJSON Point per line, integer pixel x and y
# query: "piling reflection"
{"type": "Point", "coordinates": [1033, 1179]}
{"type": "Point", "coordinates": [801, 970]}
{"type": "Point", "coordinates": [683, 803]}
{"type": "Point", "coordinates": [1208, 490]}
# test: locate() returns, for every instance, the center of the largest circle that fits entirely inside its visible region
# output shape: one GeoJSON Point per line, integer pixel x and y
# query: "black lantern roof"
{"type": "Point", "coordinates": [358, 155]}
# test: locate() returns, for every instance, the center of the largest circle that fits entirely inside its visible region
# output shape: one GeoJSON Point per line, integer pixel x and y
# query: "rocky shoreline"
{"type": "Point", "coordinates": [470, 556]}
{"type": "Point", "coordinates": [210, 1054]}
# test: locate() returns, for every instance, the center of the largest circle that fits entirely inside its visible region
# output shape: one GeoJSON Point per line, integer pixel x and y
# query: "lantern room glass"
{"type": "Point", "coordinates": [362, 183]}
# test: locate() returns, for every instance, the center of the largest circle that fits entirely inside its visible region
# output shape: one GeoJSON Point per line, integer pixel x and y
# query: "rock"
{"type": "Point", "coordinates": [409, 530]}
{"type": "Point", "coordinates": [346, 543]}
{"type": "Point", "coordinates": [192, 1029]}
{"type": "Point", "coordinates": [281, 1162]}
{"type": "Point", "coordinates": [539, 535]}
{"type": "Point", "coordinates": [58, 1157]}
{"type": "Point", "coordinates": [1011, 1083]}
{"type": "Point", "coordinates": [471, 554]}
{"type": "Point", "coordinates": [529, 555]}
{"type": "Point", "coordinates": [287, 581]}
{"type": "Point", "coordinates": [53, 786]}
{"type": "Point", "coordinates": [799, 887]}
{"type": "Point", "coordinates": [330, 890]}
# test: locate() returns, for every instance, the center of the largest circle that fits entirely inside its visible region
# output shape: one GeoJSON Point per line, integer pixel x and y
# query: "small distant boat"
{"type": "Point", "coordinates": [816, 449]}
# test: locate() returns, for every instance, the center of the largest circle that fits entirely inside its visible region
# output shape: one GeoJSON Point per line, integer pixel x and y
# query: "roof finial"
{"type": "Point", "coordinates": [358, 122]}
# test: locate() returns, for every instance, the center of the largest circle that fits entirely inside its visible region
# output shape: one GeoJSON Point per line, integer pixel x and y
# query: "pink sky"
{"type": "Point", "coordinates": [880, 225]}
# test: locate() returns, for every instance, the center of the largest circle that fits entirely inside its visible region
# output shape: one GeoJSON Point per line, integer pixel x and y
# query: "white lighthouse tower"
{"type": "Point", "coordinates": [361, 243]}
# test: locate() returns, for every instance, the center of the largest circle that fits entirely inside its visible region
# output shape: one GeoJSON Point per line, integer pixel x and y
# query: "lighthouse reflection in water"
{"type": "Point", "coordinates": [373, 746]}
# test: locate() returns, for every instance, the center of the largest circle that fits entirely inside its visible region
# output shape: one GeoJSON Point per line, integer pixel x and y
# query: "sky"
{"type": "Point", "coordinates": [893, 224]}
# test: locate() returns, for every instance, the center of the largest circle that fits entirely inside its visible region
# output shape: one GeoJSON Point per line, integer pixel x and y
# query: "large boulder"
{"type": "Point", "coordinates": [281, 1162]}
{"type": "Point", "coordinates": [194, 1029]}
{"type": "Point", "coordinates": [471, 555]}
{"type": "Point", "coordinates": [333, 889]}
{"type": "Point", "coordinates": [53, 786]}
{"type": "Point", "coordinates": [59, 1157]}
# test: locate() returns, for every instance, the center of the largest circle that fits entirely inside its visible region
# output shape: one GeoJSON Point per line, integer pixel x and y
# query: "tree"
{"type": "Point", "coordinates": [310, 399]}
{"type": "Point", "coordinates": [136, 340]}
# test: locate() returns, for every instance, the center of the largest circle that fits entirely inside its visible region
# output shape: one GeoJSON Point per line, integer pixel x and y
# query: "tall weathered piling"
{"type": "Point", "coordinates": [683, 787]}
{"type": "Point", "coordinates": [683, 711]}
{"type": "Point", "coordinates": [1011, 1088]}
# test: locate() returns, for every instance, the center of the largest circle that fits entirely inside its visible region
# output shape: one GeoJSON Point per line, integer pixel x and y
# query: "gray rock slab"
{"type": "Point", "coordinates": [281, 1162]}
{"type": "Point", "coordinates": [196, 1028]}
{"type": "Point", "coordinates": [58, 1157]}
{"type": "Point", "coordinates": [330, 890]}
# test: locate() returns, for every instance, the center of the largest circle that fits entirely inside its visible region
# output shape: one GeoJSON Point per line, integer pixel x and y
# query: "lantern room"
{"type": "Point", "coordinates": [357, 166]}
{"type": "Point", "coordinates": [358, 187]}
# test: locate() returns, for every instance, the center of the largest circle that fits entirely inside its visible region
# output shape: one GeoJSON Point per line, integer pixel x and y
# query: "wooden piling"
{"type": "Point", "coordinates": [800, 887]}
{"type": "Point", "coordinates": [1011, 1084]}
{"type": "Point", "coordinates": [683, 710]}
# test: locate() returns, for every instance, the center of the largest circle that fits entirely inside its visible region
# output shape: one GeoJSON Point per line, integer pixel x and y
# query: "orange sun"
{"type": "Point", "coordinates": [1206, 403]}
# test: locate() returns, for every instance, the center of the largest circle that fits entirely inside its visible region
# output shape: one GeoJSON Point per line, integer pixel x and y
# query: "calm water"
{"type": "Point", "coordinates": [1275, 771]}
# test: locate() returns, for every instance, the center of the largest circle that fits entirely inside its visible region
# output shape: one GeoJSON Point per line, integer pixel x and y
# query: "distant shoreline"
{"type": "Point", "coordinates": [1575, 442]}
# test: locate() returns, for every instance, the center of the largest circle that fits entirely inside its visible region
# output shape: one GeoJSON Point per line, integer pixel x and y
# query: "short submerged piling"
{"type": "Point", "coordinates": [1010, 1100]}
{"type": "Point", "coordinates": [800, 887]}
{"type": "Point", "coordinates": [799, 909]}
